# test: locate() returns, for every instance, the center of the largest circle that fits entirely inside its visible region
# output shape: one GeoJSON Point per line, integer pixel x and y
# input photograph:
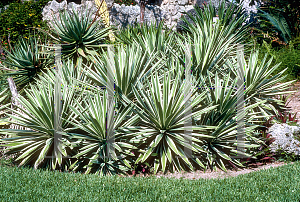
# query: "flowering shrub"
{"type": "Point", "coordinates": [126, 2]}
{"type": "Point", "coordinates": [286, 138]}
{"type": "Point", "coordinates": [18, 19]}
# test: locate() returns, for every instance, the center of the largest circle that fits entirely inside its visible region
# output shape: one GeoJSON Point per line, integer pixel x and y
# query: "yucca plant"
{"type": "Point", "coordinates": [129, 65]}
{"type": "Point", "coordinates": [25, 62]}
{"type": "Point", "coordinates": [262, 84]}
{"type": "Point", "coordinates": [152, 38]}
{"type": "Point", "coordinates": [212, 43]}
{"type": "Point", "coordinates": [78, 34]}
{"type": "Point", "coordinates": [126, 34]}
{"type": "Point", "coordinates": [70, 75]}
{"type": "Point", "coordinates": [36, 144]}
{"type": "Point", "coordinates": [222, 149]}
{"type": "Point", "coordinates": [160, 134]}
{"type": "Point", "coordinates": [228, 15]}
{"type": "Point", "coordinates": [103, 148]}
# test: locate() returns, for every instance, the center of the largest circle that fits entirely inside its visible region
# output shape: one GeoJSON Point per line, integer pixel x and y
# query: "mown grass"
{"type": "Point", "coordinates": [23, 184]}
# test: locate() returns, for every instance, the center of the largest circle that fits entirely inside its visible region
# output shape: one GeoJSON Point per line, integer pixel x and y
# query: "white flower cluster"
{"type": "Point", "coordinates": [284, 138]}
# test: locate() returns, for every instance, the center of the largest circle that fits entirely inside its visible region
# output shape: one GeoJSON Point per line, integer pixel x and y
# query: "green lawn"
{"type": "Point", "coordinates": [23, 184]}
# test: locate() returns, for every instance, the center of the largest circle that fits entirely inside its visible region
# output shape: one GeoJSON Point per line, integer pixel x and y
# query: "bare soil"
{"type": "Point", "coordinates": [219, 174]}
{"type": "Point", "coordinates": [294, 100]}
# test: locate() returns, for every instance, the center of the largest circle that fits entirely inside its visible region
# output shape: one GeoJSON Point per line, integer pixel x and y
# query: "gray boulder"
{"type": "Point", "coordinates": [285, 140]}
{"type": "Point", "coordinates": [53, 8]}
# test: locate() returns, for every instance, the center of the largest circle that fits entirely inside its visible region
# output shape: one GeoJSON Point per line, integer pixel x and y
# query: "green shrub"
{"type": "Point", "coordinates": [279, 20]}
{"type": "Point", "coordinates": [282, 155]}
{"type": "Point", "coordinates": [7, 2]}
{"type": "Point", "coordinates": [19, 18]}
{"type": "Point", "coordinates": [288, 56]}
{"type": "Point", "coordinates": [25, 61]}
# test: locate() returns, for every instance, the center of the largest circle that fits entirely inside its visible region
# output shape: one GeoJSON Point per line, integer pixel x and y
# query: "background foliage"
{"type": "Point", "coordinates": [288, 56]}
{"type": "Point", "coordinates": [279, 20]}
{"type": "Point", "coordinates": [277, 33]}
{"type": "Point", "coordinates": [7, 2]}
{"type": "Point", "coordinates": [19, 18]}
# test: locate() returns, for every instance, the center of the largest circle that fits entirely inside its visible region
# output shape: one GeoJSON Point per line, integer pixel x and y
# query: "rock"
{"type": "Point", "coordinates": [181, 9]}
{"type": "Point", "coordinates": [54, 8]}
{"type": "Point", "coordinates": [284, 135]}
{"type": "Point", "coordinates": [177, 17]}
{"type": "Point", "coordinates": [125, 10]}
{"type": "Point", "coordinates": [183, 2]}
{"type": "Point", "coordinates": [116, 8]}
{"type": "Point", "coordinates": [172, 10]}
{"type": "Point", "coordinates": [121, 15]}
{"type": "Point", "coordinates": [189, 8]}
{"type": "Point", "coordinates": [73, 6]}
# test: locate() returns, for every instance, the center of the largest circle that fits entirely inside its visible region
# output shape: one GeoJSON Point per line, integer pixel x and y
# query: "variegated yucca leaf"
{"type": "Point", "coordinates": [103, 148]}
{"type": "Point", "coordinates": [228, 15]}
{"type": "Point", "coordinates": [126, 34]}
{"type": "Point", "coordinates": [129, 65]}
{"type": "Point", "coordinates": [43, 142]}
{"type": "Point", "coordinates": [69, 75]}
{"type": "Point", "coordinates": [212, 43]}
{"type": "Point", "coordinates": [152, 38]}
{"type": "Point", "coordinates": [163, 108]}
{"type": "Point", "coordinates": [3, 107]}
{"type": "Point", "coordinates": [3, 95]}
{"type": "Point", "coordinates": [262, 84]}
